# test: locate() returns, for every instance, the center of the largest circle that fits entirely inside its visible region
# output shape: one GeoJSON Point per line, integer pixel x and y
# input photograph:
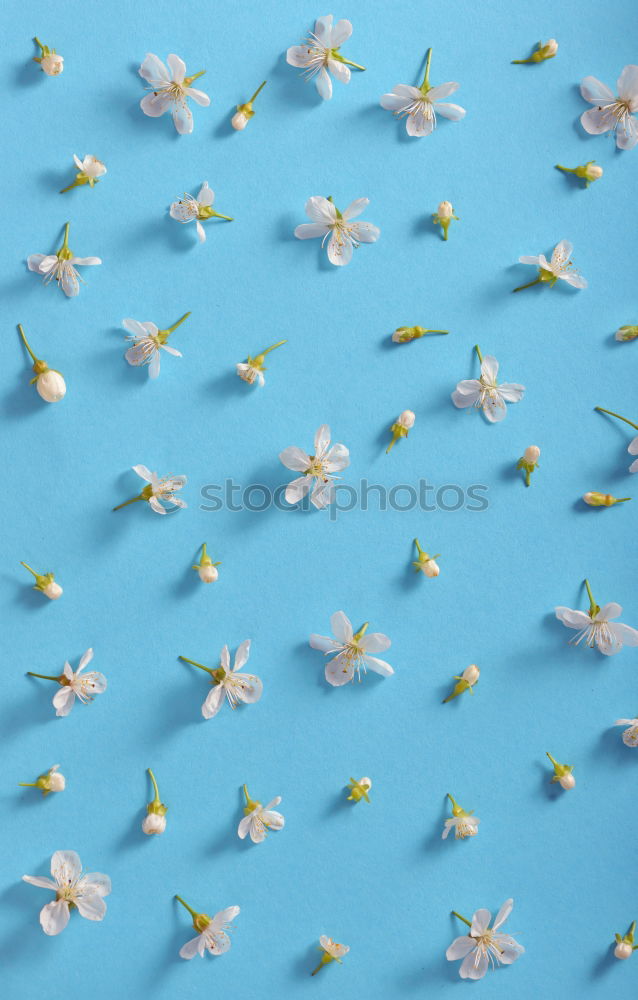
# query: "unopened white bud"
{"type": "Point", "coordinates": [51, 386]}
{"type": "Point", "coordinates": [56, 782]}
{"type": "Point", "coordinates": [52, 64]}
{"type": "Point", "coordinates": [532, 454]}
{"type": "Point", "coordinates": [154, 823]}
{"type": "Point", "coordinates": [567, 781]}
{"type": "Point", "coordinates": [430, 567]}
{"type": "Point", "coordinates": [445, 210]}
{"type": "Point", "coordinates": [208, 574]}
{"type": "Point", "coordinates": [593, 172]}
{"type": "Point", "coordinates": [471, 674]}
{"type": "Point", "coordinates": [623, 950]}
{"type": "Point", "coordinates": [366, 783]}
{"type": "Point", "coordinates": [239, 120]}
{"type": "Point", "coordinates": [52, 590]}
{"type": "Point", "coordinates": [407, 419]}
{"type": "Point", "coordinates": [550, 48]}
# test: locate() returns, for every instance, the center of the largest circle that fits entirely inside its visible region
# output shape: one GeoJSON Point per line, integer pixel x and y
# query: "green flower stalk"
{"type": "Point", "coordinates": [426, 563]}
{"type": "Point", "coordinates": [245, 111]}
{"type": "Point", "coordinates": [405, 334]}
{"type": "Point", "coordinates": [400, 428]}
{"type": "Point", "coordinates": [529, 461]}
{"type": "Point", "coordinates": [206, 568]}
{"type": "Point", "coordinates": [625, 946]}
{"type": "Point", "coordinates": [49, 382]}
{"type": "Point", "coordinates": [542, 52]}
{"type": "Point", "coordinates": [252, 369]}
{"type": "Point", "coordinates": [45, 583]}
{"type": "Point", "coordinates": [155, 819]}
{"type": "Point", "coordinates": [50, 781]}
{"type": "Point", "coordinates": [563, 774]}
{"type": "Point", "coordinates": [588, 172]}
{"type": "Point", "coordinates": [465, 682]}
{"type": "Point", "coordinates": [443, 217]}
{"type": "Point", "coordinates": [200, 920]}
{"type": "Point", "coordinates": [358, 790]}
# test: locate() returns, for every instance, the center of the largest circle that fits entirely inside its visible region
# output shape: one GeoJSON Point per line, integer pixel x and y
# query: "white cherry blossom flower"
{"type": "Point", "coordinates": [171, 88]}
{"type": "Point", "coordinates": [233, 685]}
{"type": "Point", "coordinates": [630, 735]}
{"type": "Point", "coordinates": [332, 952]}
{"type": "Point", "coordinates": [211, 936]}
{"type": "Point", "coordinates": [61, 266]}
{"type": "Point", "coordinates": [258, 819]}
{"type": "Point", "coordinates": [352, 651]}
{"type": "Point", "coordinates": [158, 491]}
{"type": "Point", "coordinates": [596, 626]}
{"type": "Point", "coordinates": [613, 113]}
{"type": "Point", "coordinates": [148, 341]}
{"type": "Point", "coordinates": [75, 684]}
{"type": "Point", "coordinates": [72, 888]}
{"type": "Point", "coordinates": [337, 228]}
{"type": "Point", "coordinates": [317, 469]}
{"type": "Point", "coordinates": [319, 56]}
{"type": "Point", "coordinates": [484, 946]}
{"type": "Point", "coordinates": [189, 209]}
{"type": "Point", "coordinates": [559, 267]}
{"type": "Point", "coordinates": [90, 169]}
{"type": "Point", "coordinates": [464, 824]}
{"type": "Point", "coordinates": [420, 105]}
{"type": "Point", "coordinates": [485, 393]}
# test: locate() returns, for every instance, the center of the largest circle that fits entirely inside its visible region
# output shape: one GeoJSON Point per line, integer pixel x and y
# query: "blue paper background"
{"type": "Point", "coordinates": [376, 876]}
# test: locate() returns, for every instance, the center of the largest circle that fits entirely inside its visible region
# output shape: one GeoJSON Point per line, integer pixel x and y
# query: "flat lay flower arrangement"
{"type": "Point", "coordinates": [274, 308]}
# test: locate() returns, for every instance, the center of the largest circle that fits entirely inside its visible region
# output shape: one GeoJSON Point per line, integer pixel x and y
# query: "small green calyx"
{"type": "Point", "coordinates": [335, 54]}
{"type": "Point", "coordinates": [64, 253]}
{"type": "Point", "coordinates": [627, 333]}
{"type": "Point", "coordinates": [258, 361]}
{"type": "Point", "coordinates": [156, 807]}
{"type": "Point", "coordinates": [207, 212]}
{"type": "Point", "coordinates": [560, 770]}
{"type": "Point", "coordinates": [325, 959]}
{"type": "Point", "coordinates": [456, 808]}
{"type": "Point", "coordinates": [460, 686]}
{"type": "Point", "coordinates": [629, 936]}
{"type": "Point", "coordinates": [358, 790]}
{"type": "Point", "coordinates": [42, 580]}
{"type": "Point", "coordinates": [200, 920]}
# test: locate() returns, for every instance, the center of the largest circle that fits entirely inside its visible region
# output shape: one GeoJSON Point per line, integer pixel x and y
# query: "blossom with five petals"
{"type": "Point", "coordinates": [189, 209]}
{"type": "Point", "coordinates": [596, 626]}
{"type": "Point", "coordinates": [212, 936]}
{"type": "Point", "coordinates": [230, 684]}
{"type": "Point", "coordinates": [73, 685]}
{"type": "Point", "coordinates": [560, 266]}
{"type": "Point", "coordinates": [148, 341]}
{"type": "Point", "coordinates": [613, 113]}
{"type": "Point", "coordinates": [317, 469]}
{"type": "Point", "coordinates": [61, 266]}
{"type": "Point", "coordinates": [484, 946]}
{"type": "Point", "coordinates": [259, 819]}
{"type": "Point", "coordinates": [352, 651]}
{"type": "Point", "coordinates": [320, 55]}
{"type": "Point", "coordinates": [157, 491]}
{"type": "Point", "coordinates": [419, 105]}
{"type": "Point", "coordinates": [630, 735]}
{"type": "Point", "coordinates": [485, 392]}
{"type": "Point", "coordinates": [72, 888]}
{"type": "Point", "coordinates": [171, 88]}
{"type": "Point", "coordinates": [328, 221]}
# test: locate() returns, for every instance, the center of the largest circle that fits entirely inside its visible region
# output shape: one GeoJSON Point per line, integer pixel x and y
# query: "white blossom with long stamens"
{"type": "Point", "coordinates": [317, 469]}
{"type": "Point", "coordinates": [329, 224]}
{"type": "Point", "coordinates": [613, 113]}
{"type": "Point", "coordinates": [485, 946]}
{"type": "Point", "coordinates": [78, 685]}
{"type": "Point", "coordinates": [319, 56]}
{"type": "Point", "coordinates": [596, 629]}
{"type": "Point", "coordinates": [170, 90]}
{"type": "Point", "coordinates": [352, 651]}
{"type": "Point", "coordinates": [72, 888]}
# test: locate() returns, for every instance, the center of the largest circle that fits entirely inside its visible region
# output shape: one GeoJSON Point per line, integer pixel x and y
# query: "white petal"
{"type": "Point", "coordinates": [378, 666]}
{"type": "Point", "coordinates": [339, 251]}
{"type": "Point", "coordinates": [341, 627]}
{"type": "Point", "coordinates": [242, 654]}
{"type": "Point", "coordinates": [625, 634]}
{"type": "Point", "coordinates": [224, 658]}
{"type": "Point", "coordinates": [217, 942]}
{"type": "Point", "coordinates": [325, 643]}
{"type": "Point", "coordinates": [43, 882]}
{"type": "Point", "coordinates": [339, 70]}
{"type": "Point", "coordinates": [225, 917]}
{"type": "Point", "coordinates": [489, 369]}
{"type": "Point", "coordinates": [244, 826]}
{"type": "Point", "coordinates": [512, 392]}
{"type": "Point", "coordinates": [134, 327]}
{"type": "Point", "coordinates": [91, 906]}
{"type": "Point", "coordinates": [273, 820]}
{"type": "Point", "coordinates": [365, 232]}
{"type": "Point", "coordinates": [297, 489]}
{"type": "Point", "coordinates": [251, 688]}
{"type": "Point", "coordinates": [54, 916]}
{"type": "Point", "coordinates": [155, 105]}
{"type": "Point", "coordinates": [154, 366]}
{"type": "Point", "coordinates": [206, 195]}
{"type": "Point", "coordinates": [339, 671]}
{"type": "Point", "coordinates": [298, 55]}
{"type": "Point", "coordinates": [355, 208]}
{"type": "Point", "coordinates": [198, 96]}
{"type": "Point", "coordinates": [596, 92]}
{"type": "Point", "coordinates": [562, 253]}
{"type": "Point", "coordinates": [319, 209]}
{"type": "Point", "coordinates": [608, 611]}
{"type": "Point", "coordinates": [341, 33]}
{"type": "Point", "coordinates": [294, 458]}
{"type": "Point", "coordinates": [66, 866]}
{"type": "Point", "coordinates": [86, 659]}
{"type": "Point", "coordinates": [214, 702]}
{"type": "Point", "coordinates": [417, 125]}
{"type": "Point", "coordinates": [571, 618]}
{"type": "Point", "coordinates": [201, 232]}
{"type": "Point", "coordinates": [627, 136]}
{"type": "Point", "coordinates": [182, 118]}
{"type": "Point", "coordinates": [34, 261]}
{"type": "Point", "coordinates": [143, 473]}
{"type": "Point", "coordinates": [597, 120]}
{"type": "Point", "coordinates": [322, 439]}
{"type": "Point", "coordinates": [628, 84]}
{"type": "Point", "coordinates": [460, 947]}
{"type": "Point", "coordinates": [154, 70]}
{"type": "Point", "coordinates": [85, 261]}
{"type": "Point", "coordinates": [453, 112]}
{"type": "Point", "coordinates": [63, 700]}
{"type": "Point", "coordinates": [311, 230]}
{"type": "Point", "coordinates": [529, 260]}
{"type": "Point", "coordinates": [337, 458]}
{"type": "Point", "coordinates": [191, 948]}
{"type": "Point", "coordinates": [323, 30]}
{"type": "Point", "coordinates": [375, 642]}
{"type": "Point", "coordinates": [442, 90]}
{"type": "Point", "coordinates": [462, 398]}
{"type": "Point", "coordinates": [324, 84]}
{"type": "Point", "coordinates": [503, 913]}
{"type": "Point", "coordinates": [480, 922]}
{"type": "Point", "coordinates": [95, 883]}
{"type": "Point", "coordinates": [177, 68]}
{"type": "Point", "coordinates": [393, 102]}
{"type": "Point", "coordinates": [474, 966]}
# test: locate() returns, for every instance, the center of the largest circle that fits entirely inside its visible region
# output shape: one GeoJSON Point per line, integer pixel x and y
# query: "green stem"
{"type": "Point", "coordinates": [26, 344]}
{"type": "Point", "coordinates": [218, 215]}
{"type": "Point", "coordinates": [593, 607]}
{"type": "Point", "coordinates": [189, 79]}
{"type": "Point", "coordinates": [348, 62]}
{"type": "Point", "coordinates": [454, 806]}
{"type": "Point", "coordinates": [567, 170]}
{"type": "Point", "coordinates": [425, 86]}
{"type": "Point", "coordinates": [27, 784]}
{"type": "Point", "coordinates": [527, 477]}
{"type": "Point", "coordinates": [554, 762]}
{"type": "Point", "coordinates": [192, 912]}
{"type": "Point", "coordinates": [437, 331]}
{"type": "Point", "coordinates": [520, 288]}
{"type": "Point", "coordinates": [64, 190]}
{"type": "Point", "coordinates": [179, 322]}
{"type": "Point", "coordinates": [274, 346]}
{"type": "Point", "coordinates": [45, 677]}
{"type": "Point", "coordinates": [152, 777]}
{"type": "Point", "coordinates": [418, 547]}
{"type": "Point", "coordinates": [36, 575]}
{"type": "Point", "coordinates": [39, 43]}
{"type": "Point", "coordinates": [617, 415]}
{"type": "Point", "coordinates": [258, 91]}
{"type": "Point", "coordinates": [65, 245]}
{"type": "Point", "coordinates": [478, 351]}
{"type": "Point", "coordinates": [195, 664]}
{"type": "Point", "coordinates": [127, 502]}
{"type": "Point", "coordinates": [464, 919]}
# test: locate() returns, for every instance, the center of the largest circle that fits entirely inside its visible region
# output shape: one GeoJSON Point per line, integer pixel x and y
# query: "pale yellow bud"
{"type": "Point", "coordinates": [52, 590]}
{"type": "Point", "coordinates": [532, 454]}
{"type": "Point", "coordinates": [623, 950]}
{"type": "Point", "coordinates": [445, 210]}
{"type": "Point", "coordinates": [471, 674]}
{"type": "Point", "coordinates": [593, 172]}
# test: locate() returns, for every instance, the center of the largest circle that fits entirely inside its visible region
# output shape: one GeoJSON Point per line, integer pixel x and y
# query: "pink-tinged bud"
{"type": "Point", "coordinates": [52, 590]}
{"type": "Point", "coordinates": [623, 950]}
{"type": "Point", "coordinates": [154, 823]}
{"type": "Point", "coordinates": [52, 64]}
{"type": "Point", "coordinates": [471, 674]}
{"type": "Point", "coordinates": [627, 333]}
{"type": "Point", "coordinates": [445, 210]}
{"type": "Point", "coordinates": [407, 419]}
{"type": "Point", "coordinates": [532, 454]}
{"type": "Point", "coordinates": [430, 567]}
{"type": "Point", "coordinates": [208, 573]}
{"type": "Point", "coordinates": [567, 781]}
{"type": "Point", "coordinates": [550, 48]}
{"type": "Point", "coordinates": [239, 120]}
{"type": "Point", "coordinates": [51, 386]}
{"type": "Point", "coordinates": [55, 781]}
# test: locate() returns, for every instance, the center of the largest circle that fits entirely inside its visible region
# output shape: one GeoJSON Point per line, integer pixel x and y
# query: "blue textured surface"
{"type": "Point", "coordinates": [376, 876]}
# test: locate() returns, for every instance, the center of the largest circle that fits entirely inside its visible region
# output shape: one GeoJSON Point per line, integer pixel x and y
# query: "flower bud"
{"type": "Point", "coordinates": [471, 674]}
{"type": "Point", "coordinates": [154, 823]}
{"type": "Point", "coordinates": [430, 567]}
{"type": "Point", "coordinates": [627, 333]}
{"type": "Point", "coordinates": [532, 454]}
{"type": "Point", "coordinates": [407, 419]}
{"type": "Point", "coordinates": [445, 210]}
{"type": "Point", "coordinates": [51, 386]}
{"type": "Point", "coordinates": [52, 64]}
{"type": "Point", "coordinates": [567, 781]}
{"type": "Point", "coordinates": [623, 950]}
{"type": "Point", "coordinates": [50, 781]}
{"type": "Point", "coordinates": [550, 48]}
{"type": "Point", "coordinates": [208, 574]}
{"type": "Point", "coordinates": [359, 789]}
{"type": "Point", "coordinates": [52, 590]}
{"type": "Point", "coordinates": [603, 499]}
{"type": "Point", "coordinates": [239, 120]}
{"type": "Point", "coordinates": [56, 782]}
{"type": "Point", "coordinates": [593, 172]}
